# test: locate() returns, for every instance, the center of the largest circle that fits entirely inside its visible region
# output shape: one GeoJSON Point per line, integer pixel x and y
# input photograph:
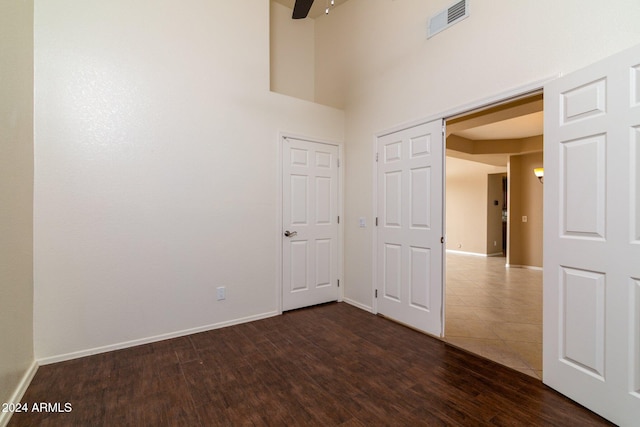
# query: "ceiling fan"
{"type": "Point", "coordinates": [301, 9]}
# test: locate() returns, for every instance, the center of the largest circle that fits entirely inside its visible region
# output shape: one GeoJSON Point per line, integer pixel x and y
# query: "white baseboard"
{"type": "Point", "coordinates": [20, 390]}
{"type": "Point", "coordinates": [162, 337]}
{"type": "Point", "coordinates": [453, 251]}
{"type": "Point", "coordinates": [528, 267]}
{"type": "Point", "coordinates": [358, 305]}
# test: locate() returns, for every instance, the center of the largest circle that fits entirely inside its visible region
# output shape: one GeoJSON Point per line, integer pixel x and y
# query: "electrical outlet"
{"type": "Point", "coordinates": [524, 218]}
{"type": "Point", "coordinates": [221, 293]}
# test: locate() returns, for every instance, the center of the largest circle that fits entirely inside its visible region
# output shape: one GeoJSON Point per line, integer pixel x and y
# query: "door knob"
{"type": "Point", "coordinates": [290, 233]}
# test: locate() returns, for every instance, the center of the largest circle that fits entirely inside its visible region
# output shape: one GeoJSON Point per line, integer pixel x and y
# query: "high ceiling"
{"type": "Point", "coordinates": [514, 121]}
{"type": "Point", "coordinates": [317, 9]}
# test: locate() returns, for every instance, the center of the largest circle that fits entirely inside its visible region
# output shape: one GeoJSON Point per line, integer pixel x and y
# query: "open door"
{"type": "Point", "coordinates": [410, 226]}
{"type": "Point", "coordinates": [592, 237]}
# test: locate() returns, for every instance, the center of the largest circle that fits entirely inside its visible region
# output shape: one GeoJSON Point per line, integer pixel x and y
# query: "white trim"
{"type": "Point", "coordinates": [443, 263]}
{"type": "Point", "coordinates": [341, 224]}
{"type": "Point", "coordinates": [279, 227]}
{"type": "Point", "coordinates": [528, 267]}
{"type": "Point", "coordinates": [472, 106]}
{"type": "Point", "coordinates": [509, 219]}
{"type": "Point", "coordinates": [499, 98]}
{"type": "Point", "coordinates": [374, 227]}
{"type": "Point", "coordinates": [162, 337]}
{"type": "Point", "coordinates": [452, 251]}
{"type": "Point", "coordinates": [19, 392]}
{"type": "Point", "coordinates": [358, 305]}
{"type": "Point", "coordinates": [282, 135]}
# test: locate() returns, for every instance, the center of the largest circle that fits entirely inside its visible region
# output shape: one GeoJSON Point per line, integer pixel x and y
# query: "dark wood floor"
{"type": "Point", "coordinates": [327, 365]}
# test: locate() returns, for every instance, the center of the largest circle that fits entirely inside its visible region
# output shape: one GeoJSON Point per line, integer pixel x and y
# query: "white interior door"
{"type": "Point", "coordinates": [410, 226]}
{"type": "Point", "coordinates": [592, 237]}
{"type": "Point", "coordinates": [310, 223]}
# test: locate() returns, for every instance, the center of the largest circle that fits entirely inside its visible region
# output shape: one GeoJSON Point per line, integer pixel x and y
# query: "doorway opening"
{"type": "Point", "coordinates": [493, 277]}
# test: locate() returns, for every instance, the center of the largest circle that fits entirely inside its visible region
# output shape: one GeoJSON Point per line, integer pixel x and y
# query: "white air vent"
{"type": "Point", "coordinates": [446, 18]}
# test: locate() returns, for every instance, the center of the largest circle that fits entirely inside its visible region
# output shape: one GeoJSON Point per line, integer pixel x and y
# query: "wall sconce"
{"type": "Point", "coordinates": [539, 173]}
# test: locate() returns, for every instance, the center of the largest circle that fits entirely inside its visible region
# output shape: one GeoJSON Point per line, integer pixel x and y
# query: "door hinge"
{"type": "Point", "coordinates": [338, 282]}
{"type": "Point", "coordinates": [376, 157]}
{"type": "Point", "coordinates": [376, 221]}
{"type": "Point", "coordinates": [338, 219]}
{"type": "Point", "coordinates": [338, 162]}
{"type": "Point", "coordinates": [376, 293]}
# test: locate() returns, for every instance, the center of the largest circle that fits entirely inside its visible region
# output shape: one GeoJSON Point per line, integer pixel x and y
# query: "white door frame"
{"type": "Point", "coordinates": [279, 213]}
{"type": "Point", "coordinates": [488, 102]}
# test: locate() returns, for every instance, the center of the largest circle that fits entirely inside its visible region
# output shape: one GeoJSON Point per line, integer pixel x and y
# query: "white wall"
{"type": "Point", "coordinates": [156, 151]}
{"type": "Point", "coordinates": [292, 53]}
{"type": "Point", "coordinates": [390, 74]}
{"type": "Point", "coordinates": [16, 196]}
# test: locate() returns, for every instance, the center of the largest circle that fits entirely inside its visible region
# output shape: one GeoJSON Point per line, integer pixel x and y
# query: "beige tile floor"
{"type": "Point", "coordinates": [495, 311]}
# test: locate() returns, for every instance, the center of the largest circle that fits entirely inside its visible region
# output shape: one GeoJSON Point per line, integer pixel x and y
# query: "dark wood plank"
{"type": "Point", "coordinates": [325, 365]}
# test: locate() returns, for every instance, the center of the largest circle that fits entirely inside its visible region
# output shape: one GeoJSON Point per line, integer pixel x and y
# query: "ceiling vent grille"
{"type": "Point", "coordinates": [446, 18]}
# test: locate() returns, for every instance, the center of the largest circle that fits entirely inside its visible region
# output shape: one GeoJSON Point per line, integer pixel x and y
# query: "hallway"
{"type": "Point", "coordinates": [495, 312]}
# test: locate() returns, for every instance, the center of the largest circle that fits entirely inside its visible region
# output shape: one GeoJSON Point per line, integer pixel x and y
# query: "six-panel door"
{"type": "Point", "coordinates": [310, 222]}
{"type": "Point", "coordinates": [410, 226]}
{"type": "Point", "coordinates": [591, 315]}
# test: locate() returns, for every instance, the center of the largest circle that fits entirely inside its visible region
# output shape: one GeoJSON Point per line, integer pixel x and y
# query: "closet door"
{"type": "Point", "coordinates": [410, 226]}
{"type": "Point", "coordinates": [592, 237]}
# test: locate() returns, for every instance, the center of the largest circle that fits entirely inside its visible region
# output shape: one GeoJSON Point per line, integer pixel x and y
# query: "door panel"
{"type": "Point", "coordinates": [298, 266]}
{"type": "Point", "coordinates": [634, 299]}
{"type": "Point", "coordinates": [410, 226]}
{"type": "Point", "coordinates": [420, 194]}
{"type": "Point", "coordinates": [392, 272]}
{"type": "Point", "coordinates": [323, 200]}
{"type": "Point", "coordinates": [591, 344]}
{"type": "Point", "coordinates": [310, 214]}
{"type": "Point", "coordinates": [635, 184]}
{"type": "Point", "coordinates": [323, 262]}
{"type": "Point", "coordinates": [582, 184]}
{"type": "Point", "coordinates": [582, 315]}
{"type": "Point", "coordinates": [420, 262]}
{"type": "Point", "coordinates": [298, 199]}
